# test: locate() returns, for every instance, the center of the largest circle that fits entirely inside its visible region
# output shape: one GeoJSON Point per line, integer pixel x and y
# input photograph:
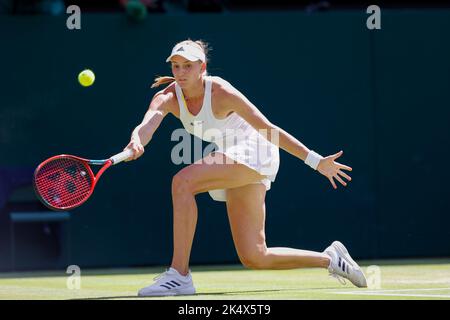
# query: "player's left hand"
{"type": "Point", "coordinates": [332, 169]}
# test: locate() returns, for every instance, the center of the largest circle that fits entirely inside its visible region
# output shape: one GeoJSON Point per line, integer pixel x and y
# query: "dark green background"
{"type": "Point", "coordinates": [382, 96]}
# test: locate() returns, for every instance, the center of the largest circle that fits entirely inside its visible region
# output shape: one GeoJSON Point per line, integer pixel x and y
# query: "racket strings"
{"type": "Point", "coordinates": [64, 182]}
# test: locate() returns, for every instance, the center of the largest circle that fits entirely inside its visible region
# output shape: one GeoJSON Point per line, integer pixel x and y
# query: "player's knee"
{"type": "Point", "coordinates": [253, 263]}
{"type": "Point", "coordinates": [254, 260]}
{"type": "Point", "coordinates": [181, 184]}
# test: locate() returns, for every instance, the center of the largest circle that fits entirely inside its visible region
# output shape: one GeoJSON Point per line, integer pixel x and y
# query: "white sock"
{"type": "Point", "coordinates": [330, 259]}
{"type": "Point", "coordinates": [179, 274]}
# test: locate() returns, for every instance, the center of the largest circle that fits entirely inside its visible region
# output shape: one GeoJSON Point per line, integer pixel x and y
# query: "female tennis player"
{"type": "Point", "coordinates": [235, 172]}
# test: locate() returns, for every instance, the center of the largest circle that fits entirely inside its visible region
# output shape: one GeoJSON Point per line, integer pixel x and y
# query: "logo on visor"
{"type": "Point", "coordinates": [181, 49]}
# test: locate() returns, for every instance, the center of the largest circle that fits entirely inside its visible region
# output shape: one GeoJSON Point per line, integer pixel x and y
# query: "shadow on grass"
{"type": "Point", "coordinates": [218, 294]}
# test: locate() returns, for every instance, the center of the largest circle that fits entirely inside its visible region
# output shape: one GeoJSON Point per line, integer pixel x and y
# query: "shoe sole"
{"type": "Point", "coordinates": [343, 251]}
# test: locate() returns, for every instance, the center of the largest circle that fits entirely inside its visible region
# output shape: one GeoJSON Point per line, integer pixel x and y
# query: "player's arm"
{"type": "Point", "coordinates": [143, 133]}
{"type": "Point", "coordinates": [238, 103]}
{"type": "Point", "coordinates": [247, 110]}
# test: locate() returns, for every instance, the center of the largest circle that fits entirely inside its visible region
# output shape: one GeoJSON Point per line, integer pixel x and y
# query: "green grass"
{"type": "Point", "coordinates": [417, 279]}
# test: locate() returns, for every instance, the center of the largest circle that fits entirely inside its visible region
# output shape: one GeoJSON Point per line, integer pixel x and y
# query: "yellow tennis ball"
{"type": "Point", "coordinates": [86, 78]}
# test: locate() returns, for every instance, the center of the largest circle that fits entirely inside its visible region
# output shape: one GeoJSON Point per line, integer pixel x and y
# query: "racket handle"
{"type": "Point", "coordinates": [118, 158]}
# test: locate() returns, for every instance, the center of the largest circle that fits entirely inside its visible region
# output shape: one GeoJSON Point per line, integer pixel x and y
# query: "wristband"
{"type": "Point", "coordinates": [313, 159]}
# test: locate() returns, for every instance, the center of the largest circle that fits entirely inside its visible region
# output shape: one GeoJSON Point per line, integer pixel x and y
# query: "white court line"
{"type": "Point", "coordinates": [392, 293]}
{"type": "Point", "coordinates": [402, 290]}
{"type": "Point", "coordinates": [399, 295]}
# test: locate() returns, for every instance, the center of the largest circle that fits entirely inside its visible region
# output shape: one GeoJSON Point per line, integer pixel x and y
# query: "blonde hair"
{"type": "Point", "coordinates": [160, 80]}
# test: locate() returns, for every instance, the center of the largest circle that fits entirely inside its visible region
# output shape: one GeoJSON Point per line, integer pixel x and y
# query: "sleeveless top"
{"type": "Point", "coordinates": [234, 136]}
{"type": "Point", "coordinates": [205, 125]}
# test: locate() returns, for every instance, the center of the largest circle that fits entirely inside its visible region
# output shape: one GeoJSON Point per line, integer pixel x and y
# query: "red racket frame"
{"type": "Point", "coordinates": [106, 164]}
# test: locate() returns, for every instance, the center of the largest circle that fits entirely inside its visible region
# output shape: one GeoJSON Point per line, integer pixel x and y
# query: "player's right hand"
{"type": "Point", "coordinates": [137, 148]}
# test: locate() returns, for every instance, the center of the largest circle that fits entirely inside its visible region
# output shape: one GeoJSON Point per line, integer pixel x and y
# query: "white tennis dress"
{"type": "Point", "coordinates": [233, 137]}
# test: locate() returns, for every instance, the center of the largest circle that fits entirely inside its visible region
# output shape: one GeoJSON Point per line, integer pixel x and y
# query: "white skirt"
{"type": "Point", "coordinates": [254, 151]}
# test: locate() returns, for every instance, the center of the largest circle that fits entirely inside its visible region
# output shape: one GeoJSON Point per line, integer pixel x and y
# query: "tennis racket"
{"type": "Point", "coordinates": [65, 182]}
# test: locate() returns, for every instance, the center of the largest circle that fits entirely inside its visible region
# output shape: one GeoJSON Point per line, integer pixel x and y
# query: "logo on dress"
{"type": "Point", "coordinates": [196, 122]}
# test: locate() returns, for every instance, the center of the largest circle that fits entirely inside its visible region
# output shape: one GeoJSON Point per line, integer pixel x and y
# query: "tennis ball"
{"type": "Point", "coordinates": [86, 78]}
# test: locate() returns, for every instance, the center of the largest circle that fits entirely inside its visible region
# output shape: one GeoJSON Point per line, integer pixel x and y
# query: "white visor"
{"type": "Point", "coordinates": [188, 51]}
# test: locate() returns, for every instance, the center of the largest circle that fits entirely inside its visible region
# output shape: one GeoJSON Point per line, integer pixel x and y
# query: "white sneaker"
{"type": "Point", "coordinates": [169, 283]}
{"type": "Point", "coordinates": [342, 265]}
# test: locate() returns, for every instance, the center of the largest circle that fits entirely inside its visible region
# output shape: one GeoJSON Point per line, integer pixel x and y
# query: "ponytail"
{"type": "Point", "coordinates": [162, 80]}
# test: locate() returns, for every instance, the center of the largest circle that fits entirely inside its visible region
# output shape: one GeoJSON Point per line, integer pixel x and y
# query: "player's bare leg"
{"type": "Point", "coordinates": [246, 213]}
{"type": "Point", "coordinates": [196, 178]}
